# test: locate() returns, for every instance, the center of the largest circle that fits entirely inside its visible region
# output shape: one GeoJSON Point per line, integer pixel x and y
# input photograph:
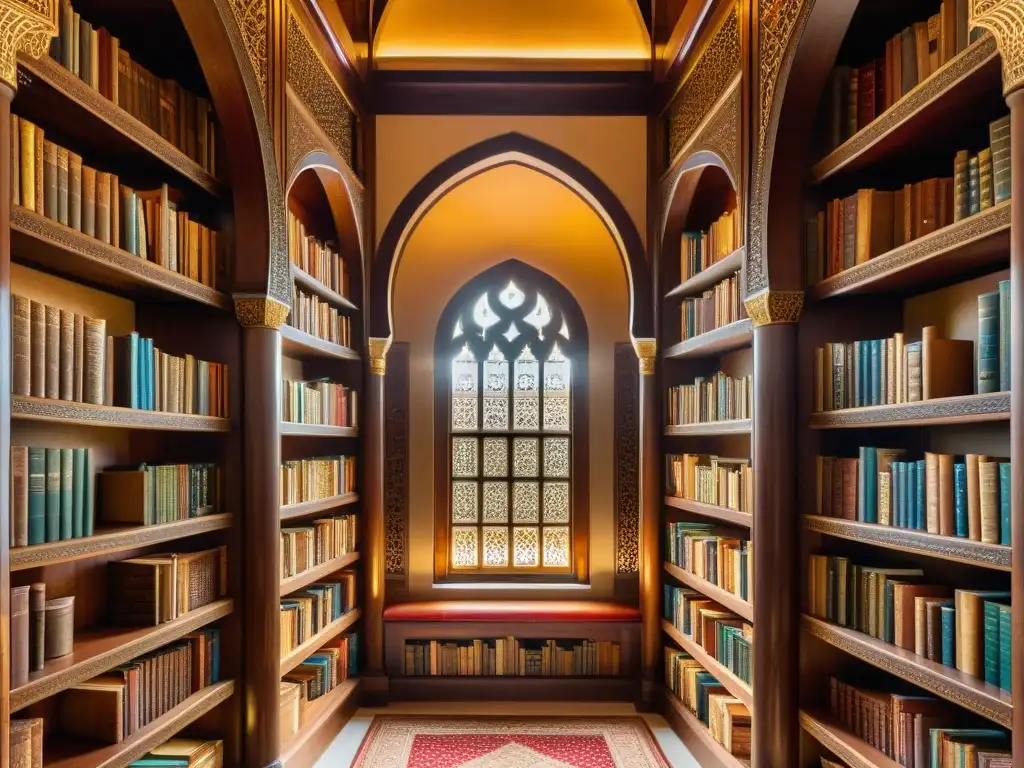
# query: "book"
{"type": "Point", "coordinates": [874, 223]}
{"type": "Point", "coordinates": [970, 617]}
{"type": "Point", "coordinates": [988, 475]}
{"type": "Point", "coordinates": [961, 186]}
{"type": "Point", "coordinates": [973, 186]}
{"type": "Point", "coordinates": [19, 648]}
{"type": "Point", "coordinates": [1004, 504]}
{"type": "Point", "coordinates": [999, 143]}
{"type": "Point", "coordinates": [52, 495]}
{"type": "Point", "coordinates": [988, 343]}
{"type": "Point", "coordinates": [66, 493]}
{"type": "Point", "coordinates": [52, 355]}
{"type": "Point", "coordinates": [26, 743]}
{"type": "Point", "coordinates": [1004, 335]}
{"type": "Point", "coordinates": [21, 323]}
{"type": "Point", "coordinates": [985, 174]}
{"type": "Point", "coordinates": [947, 365]}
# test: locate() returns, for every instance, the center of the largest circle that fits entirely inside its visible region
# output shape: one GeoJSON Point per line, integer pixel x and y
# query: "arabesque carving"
{"type": "Point", "coordinates": [1005, 20]}
{"type": "Point", "coordinates": [25, 25]}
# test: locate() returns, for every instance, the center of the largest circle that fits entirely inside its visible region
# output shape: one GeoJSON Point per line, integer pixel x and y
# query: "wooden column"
{"type": "Point", "coordinates": [261, 319]}
{"type": "Point", "coordinates": [375, 682]}
{"type": "Point", "coordinates": [650, 523]}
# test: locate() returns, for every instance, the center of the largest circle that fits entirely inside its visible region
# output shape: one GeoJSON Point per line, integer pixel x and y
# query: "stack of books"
{"type": "Point", "coordinates": [321, 478]}
{"type": "Point", "coordinates": [722, 560]}
{"type": "Point", "coordinates": [699, 250]}
{"type": "Point", "coordinates": [317, 676]}
{"type": "Point", "coordinates": [317, 259]}
{"type": "Point", "coordinates": [51, 494]}
{"type": "Point", "coordinates": [183, 753]}
{"type": "Point", "coordinates": [718, 398]}
{"type": "Point", "coordinates": [159, 493]}
{"type": "Point", "coordinates": [717, 307]}
{"type": "Point", "coordinates": [510, 656]}
{"type": "Point", "coordinates": [710, 479]}
{"type": "Point", "coordinates": [723, 634]}
{"type": "Point", "coordinates": [146, 591]}
{"type": "Point", "coordinates": [26, 743]}
{"type": "Point", "coordinates": [308, 546]}
{"type": "Point", "coordinates": [319, 402]}
{"type": "Point", "coordinates": [315, 316]}
{"type": "Point", "coordinates": [305, 613]}
{"type": "Point", "coordinates": [726, 717]}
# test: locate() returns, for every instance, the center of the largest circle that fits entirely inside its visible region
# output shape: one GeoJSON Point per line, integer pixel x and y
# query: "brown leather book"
{"type": "Point", "coordinates": [945, 472]}
{"type": "Point", "coordinates": [102, 206]}
{"type": "Point", "coordinates": [945, 202]}
{"type": "Point", "coordinates": [849, 249]}
{"type": "Point", "coordinates": [921, 49]}
{"type": "Point", "coordinates": [27, 163]}
{"type": "Point", "coordinates": [19, 495]}
{"type": "Point", "coordinates": [52, 352]}
{"type": "Point", "coordinates": [62, 185]}
{"type": "Point", "coordinates": [988, 481]}
{"type": "Point", "coordinates": [36, 626]}
{"type": "Point", "coordinates": [75, 191]}
{"type": "Point", "coordinates": [67, 355]}
{"type": "Point", "coordinates": [21, 323]}
{"type": "Point", "coordinates": [985, 177]}
{"type": "Point", "coordinates": [874, 223]}
{"type": "Point", "coordinates": [78, 393]}
{"type": "Point", "coordinates": [947, 365]}
{"type": "Point", "coordinates": [93, 710]}
{"type": "Point", "coordinates": [50, 180]}
{"type": "Point", "coordinates": [40, 160]}
{"type": "Point", "coordinates": [19, 636]}
{"type": "Point", "coordinates": [115, 210]}
{"type": "Point", "coordinates": [849, 487]}
{"type": "Point", "coordinates": [95, 352]}
{"type": "Point", "coordinates": [973, 460]}
{"type": "Point", "coordinates": [865, 94]}
{"type": "Point", "coordinates": [37, 341]}
{"type": "Point", "coordinates": [931, 492]}
{"type": "Point", "coordinates": [933, 43]}
{"type": "Point", "coordinates": [904, 604]}
{"type": "Point", "coordinates": [89, 201]}
{"type": "Point", "coordinates": [927, 220]}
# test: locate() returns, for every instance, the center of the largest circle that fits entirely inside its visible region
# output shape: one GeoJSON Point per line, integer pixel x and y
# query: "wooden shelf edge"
{"type": "Point", "coordinates": [514, 688]}
{"type": "Point", "coordinates": [303, 508]}
{"type": "Point", "coordinates": [60, 674]}
{"type": "Point", "coordinates": [947, 682]}
{"type": "Point", "coordinates": [710, 428]}
{"type": "Point", "coordinates": [310, 283]}
{"type": "Point", "coordinates": [317, 715]}
{"type": "Point", "coordinates": [724, 514]}
{"type": "Point", "coordinates": [292, 429]}
{"type": "Point", "coordinates": [294, 340]}
{"type": "Point", "coordinates": [299, 654]}
{"type": "Point", "coordinates": [944, 410]}
{"type": "Point", "coordinates": [715, 342]}
{"type": "Point", "coordinates": [316, 573]}
{"type": "Point", "coordinates": [733, 684]}
{"type": "Point", "coordinates": [727, 599]}
{"type": "Point", "coordinates": [994, 556]}
{"type": "Point", "coordinates": [832, 735]}
{"type": "Point", "coordinates": [105, 543]}
{"type": "Point", "coordinates": [707, 277]}
{"type": "Point", "coordinates": [87, 414]}
{"type": "Point", "coordinates": [696, 736]}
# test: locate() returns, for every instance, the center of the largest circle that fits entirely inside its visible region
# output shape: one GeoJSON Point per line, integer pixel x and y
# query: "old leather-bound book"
{"type": "Point", "coordinates": [67, 355]}
{"type": "Point", "coordinates": [95, 352]}
{"type": "Point", "coordinates": [37, 344]}
{"type": "Point", "coordinates": [21, 322]}
{"type": "Point", "coordinates": [52, 352]}
{"type": "Point", "coordinates": [36, 625]}
{"type": "Point", "coordinates": [19, 636]}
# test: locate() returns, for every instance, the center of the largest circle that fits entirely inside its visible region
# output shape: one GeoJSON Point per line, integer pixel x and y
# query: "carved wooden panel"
{"type": "Point", "coordinates": [396, 458]}
{"type": "Point", "coordinates": [251, 16]}
{"type": "Point", "coordinates": [627, 460]}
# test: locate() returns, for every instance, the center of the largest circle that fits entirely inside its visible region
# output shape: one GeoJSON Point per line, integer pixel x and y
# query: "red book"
{"type": "Point", "coordinates": [865, 94]}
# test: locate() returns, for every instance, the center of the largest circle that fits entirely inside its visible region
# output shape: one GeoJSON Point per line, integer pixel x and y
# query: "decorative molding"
{"type": "Point", "coordinates": [44, 409]}
{"type": "Point", "coordinates": [260, 312]}
{"type": "Point", "coordinates": [627, 461]}
{"type": "Point", "coordinates": [1005, 20]}
{"type": "Point", "coordinates": [378, 354]}
{"type": "Point", "coordinates": [251, 17]}
{"type": "Point", "coordinates": [396, 460]}
{"type": "Point", "coordinates": [825, 736]}
{"type": "Point", "coordinates": [946, 410]}
{"type": "Point", "coordinates": [775, 307]}
{"type": "Point", "coordinates": [301, 139]}
{"type": "Point", "coordinates": [716, 66]}
{"type": "Point", "coordinates": [25, 25]}
{"type": "Point", "coordinates": [647, 351]}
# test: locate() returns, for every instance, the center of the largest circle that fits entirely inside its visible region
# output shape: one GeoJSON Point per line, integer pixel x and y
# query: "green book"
{"type": "Point", "coordinates": [991, 635]}
{"type": "Point", "coordinates": [78, 493]}
{"type": "Point", "coordinates": [53, 494]}
{"type": "Point", "coordinates": [1005, 647]}
{"type": "Point", "coordinates": [36, 495]}
{"type": "Point", "coordinates": [66, 479]}
{"type": "Point", "coordinates": [87, 515]}
{"type": "Point", "coordinates": [1004, 335]}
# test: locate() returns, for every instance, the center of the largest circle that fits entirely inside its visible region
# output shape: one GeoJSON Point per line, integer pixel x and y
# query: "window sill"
{"type": "Point", "coordinates": [511, 585]}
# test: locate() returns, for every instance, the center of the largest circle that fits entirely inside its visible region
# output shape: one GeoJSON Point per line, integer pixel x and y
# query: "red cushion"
{"type": "Point", "coordinates": [511, 610]}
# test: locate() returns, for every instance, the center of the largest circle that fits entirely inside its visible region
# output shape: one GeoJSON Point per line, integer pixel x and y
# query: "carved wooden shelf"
{"type": "Point", "coordinates": [47, 92]}
{"type": "Point", "coordinates": [316, 722]}
{"type": "Point", "coordinates": [706, 278]}
{"type": "Point", "coordinates": [994, 556]}
{"type": "Point", "coordinates": [727, 599]}
{"type": "Point", "coordinates": [946, 98]}
{"type": "Point", "coordinates": [961, 250]}
{"type": "Point", "coordinates": [300, 653]}
{"type": "Point", "coordinates": [732, 683]}
{"type": "Point", "coordinates": [948, 682]}
{"type": "Point", "coordinates": [696, 736]}
{"type": "Point", "coordinates": [291, 429]}
{"type": "Point", "coordinates": [719, 341]}
{"type": "Point", "coordinates": [728, 427]}
{"type": "Point", "coordinates": [67, 412]}
{"type": "Point", "coordinates": [105, 542]}
{"type": "Point", "coordinates": [64, 753]}
{"type": "Point", "coordinates": [303, 508]}
{"type": "Point", "coordinates": [316, 573]}
{"type": "Point", "coordinates": [724, 514]}
{"type": "Point", "coordinates": [53, 247]}
{"type": "Point", "coordinates": [296, 343]}
{"type": "Point", "coordinates": [944, 410]}
{"type": "Point", "coordinates": [305, 280]}
{"type": "Point", "coordinates": [832, 735]}
{"type": "Point", "coordinates": [101, 650]}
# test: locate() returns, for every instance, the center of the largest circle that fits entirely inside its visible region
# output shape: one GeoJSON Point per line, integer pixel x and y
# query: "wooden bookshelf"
{"type": "Point", "coordinates": [696, 736]}
{"type": "Point", "coordinates": [443, 688]}
{"type": "Point", "coordinates": [732, 683]}
{"type": "Point", "coordinates": [724, 597]}
{"type": "Point", "coordinates": [316, 573]}
{"type": "Point", "coordinates": [720, 340]}
{"type": "Point", "coordinates": [706, 278]}
{"type": "Point", "coordinates": [966, 409]}
{"type": "Point", "coordinates": [311, 284]}
{"type": "Point", "coordinates": [296, 343]}
{"type": "Point", "coordinates": [299, 654]}
{"type": "Point", "coordinates": [726, 515]}
{"type": "Point", "coordinates": [832, 735]}
{"type": "Point", "coordinates": [972, 694]}
{"type": "Point", "coordinates": [67, 412]}
{"type": "Point", "coordinates": [321, 721]}
{"type": "Point", "coordinates": [994, 556]}
{"type": "Point", "coordinates": [304, 508]}
{"type": "Point", "coordinates": [291, 429]}
{"type": "Point", "coordinates": [711, 428]}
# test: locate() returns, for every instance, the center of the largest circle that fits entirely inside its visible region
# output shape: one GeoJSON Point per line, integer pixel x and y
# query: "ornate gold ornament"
{"type": "Point", "coordinates": [647, 351]}
{"type": "Point", "coordinates": [260, 312]}
{"type": "Point", "coordinates": [774, 307]}
{"type": "Point", "coordinates": [25, 25]}
{"type": "Point", "coordinates": [1005, 20]}
{"type": "Point", "coordinates": [378, 354]}
{"type": "Point", "coordinates": [251, 17]}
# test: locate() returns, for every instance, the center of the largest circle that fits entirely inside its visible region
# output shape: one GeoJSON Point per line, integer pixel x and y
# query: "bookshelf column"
{"type": "Point", "coordinates": [261, 320]}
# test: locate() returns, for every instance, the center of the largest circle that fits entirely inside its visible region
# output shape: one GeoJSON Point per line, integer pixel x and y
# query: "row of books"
{"type": "Point", "coordinates": [962, 628]}
{"type": "Point", "coordinates": [724, 635]}
{"type": "Point", "coordinates": [150, 494]}
{"type": "Point", "coordinates": [41, 629]}
{"type": "Point", "coordinates": [319, 402]}
{"type": "Point", "coordinates": [316, 258]}
{"type": "Point", "coordinates": [714, 308]}
{"type": "Point", "coordinates": [857, 95]}
{"type": "Point", "coordinates": [916, 731]}
{"type": "Point", "coordinates": [96, 57]}
{"type": "Point", "coordinates": [51, 494]}
{"type": "Point", "coordinates": [315, 316]}
{"type": "Point", "coordinates": [722, 560]}
{"type": "Point", "coordinates": [510, 656]}
{"type": "Point", "coordinates": [52, 181]}
{"type": "Point", "coordinates": [183, 753]}
{"type": "Point", "coordinates": [718, 398]}
{"type": "Point", "coordinates": [968, 498]}
{"type": "Point", "coordinates": [26, 742]}
{"type": "Point", "coordinates": [307, 546]}
{"type": "Point", "coordinates": [710, 479]}
{"type": "Point", "coordinates": [114, 706]}
{"type": "Point", "coordinates": [321, 478]}
{"type": "Point", "coordinates": [699, 250]}
{"type": "Point", "coordinates": [726, 717]}
{"type": "Point", "coordinates": [147, 591]}
{"type": "Point", "coordinates": [316, 676]}
{"type": "Point", "coordinates": [305, 613]}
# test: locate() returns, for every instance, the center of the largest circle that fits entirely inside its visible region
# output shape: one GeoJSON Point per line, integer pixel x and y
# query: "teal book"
{"type": "Point", "coordinates": [888, 630]}
{"type": "Point", "coordinates": [66, 481]}
{"type": "Point", "coordinates": [78, 493]}
{"type": "Point", "coordinates": [1004, 503]}
{"type": "Point", "coordinates": [36, 495]}
{"type": "Point", "coordinates": [960, 500]}
{"type": "Point", "coordinates": [919, 483]}
{"type": "Point", "coordinates": [1004, 335]}
{"type": "Point", "coordinates": [1005, 647]}
{"type": "Point", "coordinates": [160, 762]}
{"type": "Point", "coordinates": [150, 386]}
{"type": "Point", "coordinates": [87, 514]}
{"type": "Point", "coordinates": [991, 638]}
{"type": "Point", "coordinates": [53, 494]}
{"type": "Point", "coordinates": [895, 499]}
{"type": "Point", "coordinates": [906, 484]}
{"type": "Point", "coordinates": [869, 466]}
{"type": "Point", "coordinates": [948, 635]}
{"type": "Point", "coordinates": [988, 343]}
{"type": "Point", "coordinates": [876, 371]}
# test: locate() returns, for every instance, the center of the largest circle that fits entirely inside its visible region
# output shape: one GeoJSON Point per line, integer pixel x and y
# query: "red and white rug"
{"type": "Point", "coordinates": [501, 742]}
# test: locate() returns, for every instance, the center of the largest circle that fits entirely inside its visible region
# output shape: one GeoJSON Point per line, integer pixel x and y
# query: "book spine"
{"type": "Point", "coordinates": [27, 164]}
{"type": "Point", "coordinates": [52, 494]}
{"type": "Point", "coordinates": [67, 355]}
{"type": "Point", "coordinates": [919, 480]}
{"type": "Point", "coordinates": [960, 522]}
{"type": "Point", "coordinates": [37, 626]}
{"type": "Point", "coordinates": [999, 142]}
{"type": "Point", "coordinates": [88, 513]}
{"type": "Point", "coordinates": [78, 493]}
{"type": "Point", "coordinates": [63, 189]}
{"type": "Point", "coordinates": [102, 203]}
{"type": "Point", "coordinates": [89, 201]}
{"type": "Point", "coordinates": [985, 196]}
{"type": "Point", "coordinates": [37, 344]}
{"type": "Point", "coordinates": [36, 495]}
{"type": "Point", "coordinates": [948, 636]}
{"type": "Point", "coordinates": [19, 496]}
{"type": "Point", "coordinates": [75, 191]}
{"type": "Point", "coordinates": [78, 365]}
{"type": "Point", "coordinates": [961, 186]}
{"type": "Point", "coordinates": [19, 648]}
{"type": "Point", "coordinates": [1004, 335]}
{"type": "Point", "coordinates": [66, 493]}
{"type": "Point", "coordinates": [988, 343]}
{"type": "Point", "coordinates": [50, 180]}
{"type": "Point", "coordinates": [21, 324]}
{"type": "Point", "coordinates": [973, 186]}
{"type": "Point", "coordinates": [991, 643]}
{"type": "Point", "coordinates": [53, 343]}
{"type": "Point", "coordinates": [1005, 647]}
{"type": "Point", "coordinates": [1005, 505]}
{"type": "Point", "coordinates": [94, 363]}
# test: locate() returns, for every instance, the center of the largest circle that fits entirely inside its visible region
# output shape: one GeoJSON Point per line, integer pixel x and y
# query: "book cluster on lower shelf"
{"type": "Point", "coordinates": [721, 560]}
{"type": "Point", "coordinates": [309, 611]}
{"type": "Point", "coordinates": [183, 753]}
{"type": "Point", "coordinates": [916, 731]}
{"type": "Point", "coordinates": [961, 628]}
{"type": "Point", "coordinates": [710, 479]}
{"type": "Point", "coordinates": [41, 629]}
{"type": "Point", "coordinates": [308, 546]}
{"type": "Point", "coordinates": [151, 494]}
{"type": "Point", "coordinates": [513, 657]}
{"type": "Point", "coordinates": [718, 306]}
{"type": "Point", "coordinates": [716, 398]}
{"type": "Point", "coordinates": [334, 663]}
{"type": "Point", "coordinates": [318, 259]}
{"type": "Point", "coordinates": [726, 637]}
{"type": "Point", "coordinates": [319, 402]}
{"type": "Point", "coordinates": [699, 250]}
{"type": "Point", "coordinates": [323, 477]}
{"type": "Point", "coordinates": [162, 587]}
{"type": "Point", "coordinates": [317, 317]}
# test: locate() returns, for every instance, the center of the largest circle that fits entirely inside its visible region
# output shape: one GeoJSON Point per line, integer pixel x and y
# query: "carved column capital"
{"type": "Point", "coordinates": [1005, 20]}
{"type": "Point", "coordinates": [25, 25]}
{"type": "Point", "coordinates": [260, 312]}
{"type": "Point", "coordinates": [647, 351]}
{"type": "Point", "coordinates": [378, 354]}
{"type": "Point", "coordinates": [773, 307]}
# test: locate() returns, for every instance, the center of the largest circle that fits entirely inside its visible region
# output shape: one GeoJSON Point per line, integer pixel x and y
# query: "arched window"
{"type": "Point", "coordinates": [511, 354]}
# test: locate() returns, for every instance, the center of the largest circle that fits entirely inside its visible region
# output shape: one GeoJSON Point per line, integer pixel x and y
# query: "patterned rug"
{"type": "Point", "coordinates": [501, 742]}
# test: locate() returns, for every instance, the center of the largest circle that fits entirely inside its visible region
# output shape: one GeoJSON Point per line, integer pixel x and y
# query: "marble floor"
{"type": "Point", "coordinates": [342, 750]}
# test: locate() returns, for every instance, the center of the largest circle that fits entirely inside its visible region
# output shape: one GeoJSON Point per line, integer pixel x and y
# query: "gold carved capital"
{"type": "Point", "coordinates": [378, 354]}
{"type": "Point", "coordinates": [647, 351]}
{"type": "Point", "coordinates": [774, 307]}
{"type": "Point", "coordinates": [1005, 20]}
{"type": "Point", "coordinates": [260, 312]}
{"type": "Point", "coordinates": [25, 25]}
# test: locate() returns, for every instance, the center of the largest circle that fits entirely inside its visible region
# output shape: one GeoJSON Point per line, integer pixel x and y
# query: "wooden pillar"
{"type": "Point", "coordinates": [261, 320]}
{"type": "Point", "coordinates": [375, 682]}
{"type": "Point", "coordinates": [650, 523]}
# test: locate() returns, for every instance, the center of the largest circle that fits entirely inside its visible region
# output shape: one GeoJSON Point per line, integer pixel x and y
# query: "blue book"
{"type": "Point", "coordinates": [1004, 335]}
{"type": "Point", "coordinates": [907, 482]}
{"type": "Point", "coordinates": [876, 372]}
{"type": "Point", "coordinates": [869, 460]}
{"type": "Point", "coordinates": [960, 500]}
{"type": "Point", "coordinates": [988, 343]}
{"type": "Point", "coordinates": [1005, 647]}
{"type": "Point", "coordinates": [901, 489]}
{"type": "Point", "coordinates": [948, 635]}
{"type": "Point", "coordinates": [991, 640]}
{"type": "Point", "coordinates": [1004, 503]}
{"type": "Point", "coordinates": [919, 481]}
